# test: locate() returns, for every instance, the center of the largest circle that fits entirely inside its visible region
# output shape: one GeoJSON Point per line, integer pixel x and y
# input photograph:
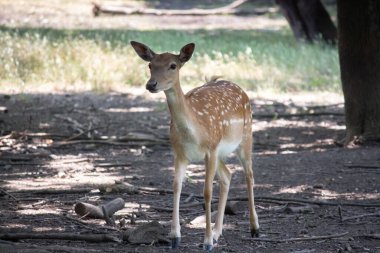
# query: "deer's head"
{"type": "Point", "coordinates": [164, 68]}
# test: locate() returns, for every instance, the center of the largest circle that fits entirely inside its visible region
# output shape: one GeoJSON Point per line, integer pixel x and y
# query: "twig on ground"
{"type": "Point", "coordinates": [372, 236]}
{"type": "Point", "coordinates": [76, 125]}
{"type": "Point", "coordinates": [133, 142]}
{"type": "Point", "coordinates": [61, 236]}
{"type": "Point", "coordinates": [277, 200]}
{"type": "Point", "coordinates": [296, 239]}
{"type": "Point", "coordinates": [82, 223]}
{"type": "Point", "coordinates": [8, 194]}
{"type": "Point", "coordinates": [307, 201]}
{"type": "Point", "coordinates": [56, 191]}
{"type": "Point", "coordinates": [360, 216]}
{"type": "Point", "coordinates": [362, 166]}
{"type": "Point", "coordinates": [109, 165]}
{"type": "Point", "coordinates": [290, 115]}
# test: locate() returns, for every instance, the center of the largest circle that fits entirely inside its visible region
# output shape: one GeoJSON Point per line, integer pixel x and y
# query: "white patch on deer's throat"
{"type": "Point", "coordinates": [236, 121]}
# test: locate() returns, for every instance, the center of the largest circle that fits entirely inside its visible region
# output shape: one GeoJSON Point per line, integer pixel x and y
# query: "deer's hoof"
{"type": "Point", "coordinates": [255, 233]}
{"type": "Point", "coordinates": [208, 247]}
{"type": "Point", "coordinates": [176, 242]}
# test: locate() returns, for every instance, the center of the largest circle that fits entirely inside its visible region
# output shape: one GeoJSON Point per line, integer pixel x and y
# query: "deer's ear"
{"type": "Point", "coordinates": [143, 51]}
{"type": "Point", "coordinates": [186, 52]}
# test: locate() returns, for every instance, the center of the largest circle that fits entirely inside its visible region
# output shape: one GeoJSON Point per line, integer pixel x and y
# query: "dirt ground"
{"type": "Point", "coordinates": [294, 159]}
{"type": "Point", "coordinates": [58, 149]}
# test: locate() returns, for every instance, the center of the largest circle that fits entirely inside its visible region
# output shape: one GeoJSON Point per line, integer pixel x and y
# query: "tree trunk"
{"type": "Point", "coordinates": [308, 20]}
{"type": "Point", "coordinates": [359, 55]}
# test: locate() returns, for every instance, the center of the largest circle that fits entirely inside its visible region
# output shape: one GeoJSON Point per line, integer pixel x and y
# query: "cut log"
{"type": "Point", "coordinates": [96, 212]}
{"type": "Point", "coordinates": [230, 9]}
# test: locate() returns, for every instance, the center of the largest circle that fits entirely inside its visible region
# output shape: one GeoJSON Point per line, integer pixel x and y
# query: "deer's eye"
{"type": "Point", "coordinates": [173, 66]}
{"type": "Point", "coordinates": [150, 66]}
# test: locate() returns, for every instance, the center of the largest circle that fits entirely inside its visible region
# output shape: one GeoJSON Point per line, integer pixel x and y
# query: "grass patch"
{"type": "Point", "coordinates": [103, 60]}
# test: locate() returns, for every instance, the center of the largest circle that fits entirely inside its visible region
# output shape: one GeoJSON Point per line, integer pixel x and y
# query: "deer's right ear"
{"type": "Point", "coordinates": [143, 51]}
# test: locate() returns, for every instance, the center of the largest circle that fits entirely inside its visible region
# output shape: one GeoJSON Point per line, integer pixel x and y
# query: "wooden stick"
{"type": "Point", "coordinates": [362, 166]}
{"type": "Point", "coordinates": [307, 201]}
{"type": "Point", "coordinates": [134, 142]}
{"type": "Point", "coordinates": [56, 191]}
{"type": "Point", "coordinates": [360, 216]}
{"type": "Point", "coordinates": [289, 115]}
{"type": "Point", "coordinates": [7, 193]}
{"type": "Point", "coordinates": [61, 236]}
{"type": "Point", "coordinates": [297, 239]}
{"type": "Point", "coordinates": [372, 236]}
{"type": "Point", "coordinates": [270, 198]}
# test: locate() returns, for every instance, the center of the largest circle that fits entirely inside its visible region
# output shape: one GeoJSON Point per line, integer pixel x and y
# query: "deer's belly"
{"type": "Point", "coordinates": [226, 147]}
{"type": "Point", "coordinates": [193, 152]}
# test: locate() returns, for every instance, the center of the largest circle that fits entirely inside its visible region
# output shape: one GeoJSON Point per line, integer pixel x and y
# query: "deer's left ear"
{"type": "Point", "coordinates": [186, 52]}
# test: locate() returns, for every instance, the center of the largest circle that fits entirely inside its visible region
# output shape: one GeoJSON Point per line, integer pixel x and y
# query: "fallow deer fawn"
{"type": "Point", "coordinates": [209, 122]}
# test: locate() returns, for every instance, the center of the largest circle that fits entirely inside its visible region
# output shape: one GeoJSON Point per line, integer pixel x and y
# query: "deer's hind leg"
{"type": "Point", "coordinates": [224, 175]}
{"type": "Point", "coordinates": [244, 153]}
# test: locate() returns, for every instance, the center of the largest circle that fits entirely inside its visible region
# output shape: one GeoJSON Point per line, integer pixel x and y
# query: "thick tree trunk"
{"type": "Point", "coordinates": [359, 55]}
{"type": "Point", "coordinates": [308, 20]}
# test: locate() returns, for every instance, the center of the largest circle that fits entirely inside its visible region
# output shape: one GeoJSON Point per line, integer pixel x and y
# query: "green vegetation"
{"type": "Point", "coordinates": [103, 59]}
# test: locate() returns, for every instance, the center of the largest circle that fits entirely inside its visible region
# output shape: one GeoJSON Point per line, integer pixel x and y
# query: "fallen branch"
{"type": "Point", "coordinates": [360, 216]}
{"type": "Point", "coordinates": [362, 166]}
{"type": "Point", "coordinates": [56, 191]}
{"type": "Point", "coordinates": [230, 9]}
{"type": "Point", "coordinates": [297, 239]}
{"type": "Point", "coordinates": [290, 115]}
{"type": "Point", "coordinates": [60, 236]}
{"type": "Point", "coordinates": [8, 194]}
{"type": "Point", "coordinates": [372, 236]}
{"type": "Point", "coordinates": [109, 165]}
{"type": "Point", "coordinates": [133, 142]}
{"type": "Point", "coordinates": [269, 198]}
{"type": "Point", "coordinates": [307, 201]}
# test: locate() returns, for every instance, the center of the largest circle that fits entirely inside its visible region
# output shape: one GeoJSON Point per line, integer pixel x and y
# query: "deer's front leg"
{"type": "Point", "coordinates": [211, 165]}
{"type": "Point", "coordinates": [180, 169]}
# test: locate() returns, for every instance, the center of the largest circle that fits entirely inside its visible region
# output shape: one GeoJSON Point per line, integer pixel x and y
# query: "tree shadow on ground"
{"type": "Point", "coordinates": [293, 158]}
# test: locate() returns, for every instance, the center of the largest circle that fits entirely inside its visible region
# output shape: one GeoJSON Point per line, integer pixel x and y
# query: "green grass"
{"type": "Point", "coordinates": [102, 60]}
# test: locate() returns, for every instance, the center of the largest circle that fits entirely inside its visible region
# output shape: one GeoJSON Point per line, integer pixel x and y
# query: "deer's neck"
{"type": "Point", "coordinates": [180, 112]}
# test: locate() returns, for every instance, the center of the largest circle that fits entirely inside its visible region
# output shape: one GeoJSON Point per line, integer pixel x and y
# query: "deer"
{"type": "Point", "coordinates": [208, 123]}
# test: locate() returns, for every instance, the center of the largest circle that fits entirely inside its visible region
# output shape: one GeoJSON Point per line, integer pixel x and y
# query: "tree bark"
{"type": "Point", "coordinates": [309, 20]}
{"type": "Point", "coordinates": [359, 55]}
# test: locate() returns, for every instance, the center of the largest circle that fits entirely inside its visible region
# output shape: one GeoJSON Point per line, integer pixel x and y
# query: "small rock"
{"type": "Point", "coordinates": [61, 174]}
{"type": "Point", "coordinates": [348, 247]}
{"type": "Point", "coordinates": [146, 234]}
{"type": "Point", "coordinates": [318, 186]}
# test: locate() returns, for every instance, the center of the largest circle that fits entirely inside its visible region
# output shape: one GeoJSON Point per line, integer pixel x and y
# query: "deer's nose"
{"type": "Point", "coordinates": [151, 85]}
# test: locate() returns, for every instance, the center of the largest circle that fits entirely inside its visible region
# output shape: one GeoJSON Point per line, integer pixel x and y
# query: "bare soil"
{"type": "Point", "coordinates": [295, 160]}
{"type": "Point", "coordinates": [58, 149]}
